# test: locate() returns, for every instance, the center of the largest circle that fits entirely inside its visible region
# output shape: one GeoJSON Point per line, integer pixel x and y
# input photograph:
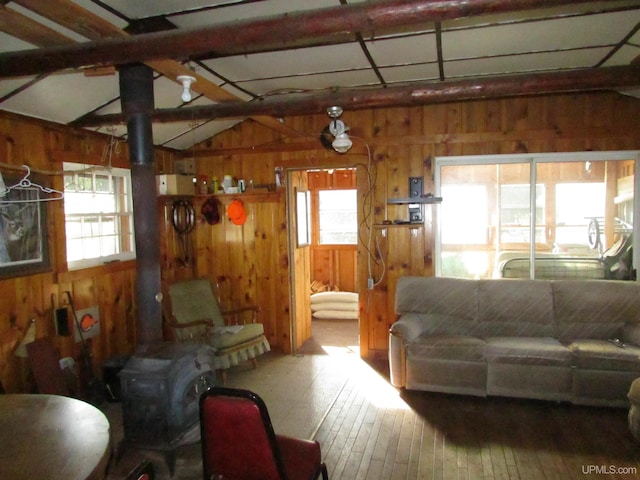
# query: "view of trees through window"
{"type": "Point", "coordinates": [580, 214]}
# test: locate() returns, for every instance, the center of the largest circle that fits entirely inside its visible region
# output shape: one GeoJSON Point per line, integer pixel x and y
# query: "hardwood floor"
{"type": "Point", "coordinates": [454, 437]}
{"type": "Point", "coordinates": [369, 430]}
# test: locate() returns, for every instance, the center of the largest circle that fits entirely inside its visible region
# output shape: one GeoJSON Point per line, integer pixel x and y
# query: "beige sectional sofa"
{"type": "Point", "coordinates": [540, 339]}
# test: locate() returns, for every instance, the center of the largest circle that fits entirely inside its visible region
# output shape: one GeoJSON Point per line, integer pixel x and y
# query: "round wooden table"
{"type": "Point", "coordinates": [52, 437]}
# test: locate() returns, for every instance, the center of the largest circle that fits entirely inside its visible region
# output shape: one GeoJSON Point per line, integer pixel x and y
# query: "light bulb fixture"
{"type": "Point", "coordinates": [186, 81]}
{"type": "Point", "coordinates": [341, 143]}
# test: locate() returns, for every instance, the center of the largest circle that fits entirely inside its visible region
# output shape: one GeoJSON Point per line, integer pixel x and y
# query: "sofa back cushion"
{"type": "Point", "coordinates": [448, 304]}
{"type": "Point", "coordinates": [516, 308]}
{"type": "Point", "coordinates": [596, 309]}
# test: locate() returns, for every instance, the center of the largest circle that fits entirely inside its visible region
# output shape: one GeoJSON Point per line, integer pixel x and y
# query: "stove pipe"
{"type": "Point", "coordinates": [136, 93]}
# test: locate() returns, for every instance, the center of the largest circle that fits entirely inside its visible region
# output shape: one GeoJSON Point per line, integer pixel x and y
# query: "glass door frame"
{"type": "Point", "coordinates": [533, 159]}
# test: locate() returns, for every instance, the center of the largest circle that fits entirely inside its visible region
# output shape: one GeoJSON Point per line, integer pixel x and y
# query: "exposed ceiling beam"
{"type": "Point", "coordinates": [79, 20]}
{"type": "Point", "coordinates": [19, 26]}
{"type": "Point", "coordinates": [240, 36]}
{"type": "Point", "coordinates": [584, 79]}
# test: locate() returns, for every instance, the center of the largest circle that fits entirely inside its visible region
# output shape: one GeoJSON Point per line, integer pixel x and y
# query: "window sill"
{"type": "Point", "coordinates": [81, 273]}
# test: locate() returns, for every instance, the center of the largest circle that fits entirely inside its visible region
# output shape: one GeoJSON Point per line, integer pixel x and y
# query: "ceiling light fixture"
{"type": "Point", "coordinates": [186, 81]}
{"type": "Point", "coordinates": [341, 143]}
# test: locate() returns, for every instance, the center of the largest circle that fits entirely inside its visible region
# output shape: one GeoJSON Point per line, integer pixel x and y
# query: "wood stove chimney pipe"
{"type": "Point", "coordinates": [136, 91]}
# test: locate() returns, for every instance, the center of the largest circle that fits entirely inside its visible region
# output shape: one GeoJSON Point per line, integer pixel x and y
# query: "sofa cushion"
{"type": "Point", "coordinates": [447, 347]}
{"type": "Point", "coordinates": [594, 309]}
{"type": "Point", "coordinates": [455, 297]}
{"type": "Point", "coordinates": [411, 325]}
{"type": "Point", "coordinates": [603, 355]}
{"type": "Point", "coordinates": [527, 351]}
{"type": "Point", "coordinates": [516, 308]}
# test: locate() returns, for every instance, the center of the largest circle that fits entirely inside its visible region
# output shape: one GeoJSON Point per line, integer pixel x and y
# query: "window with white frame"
{"type": "Point", "coordinates": [98, 215]}
{"type": "Point", "coordinates": [338, 217]}
{"type": "Point", "coordinates": [580, 214]}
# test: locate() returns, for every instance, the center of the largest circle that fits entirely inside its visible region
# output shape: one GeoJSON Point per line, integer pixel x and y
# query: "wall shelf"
{"type": "Point", "coordinates": [401, 201]}
{"type": "Point", "coordinates": [398, 225]}
{"type": "Point", "coordinates": [261, 195]}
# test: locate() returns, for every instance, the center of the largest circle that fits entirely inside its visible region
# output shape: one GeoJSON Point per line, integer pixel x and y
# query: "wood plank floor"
{"type": "Point", "coordinates": [369, 430]}
{"type": "Point", "coordinates": [454, 437]}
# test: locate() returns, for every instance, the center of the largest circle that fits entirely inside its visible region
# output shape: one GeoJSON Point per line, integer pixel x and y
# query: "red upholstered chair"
{"type": "Point", "coordinates": [238, 441]}
{"type": "Point", "coordinates": [143, 471]}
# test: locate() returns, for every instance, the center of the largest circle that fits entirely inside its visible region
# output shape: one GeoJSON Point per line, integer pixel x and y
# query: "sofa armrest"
{"type": "Point", "coordinates": [397, 359]}
{"type": "Point", "coordinates": [404, 330]}
{"type": "Point", "coordinates": [631, 333]}
{"type": "Point", "coordinates": [408, 327]}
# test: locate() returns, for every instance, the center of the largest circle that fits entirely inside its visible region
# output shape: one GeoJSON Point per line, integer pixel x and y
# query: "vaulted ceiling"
{"type": "Point", "coordinates": [265, 59]}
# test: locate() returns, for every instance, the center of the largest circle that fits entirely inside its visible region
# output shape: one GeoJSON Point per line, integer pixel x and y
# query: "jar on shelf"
{"type": "Point", "coordinates": [227, 181]}
{"type": "Point", "coordinates": [202, 185]}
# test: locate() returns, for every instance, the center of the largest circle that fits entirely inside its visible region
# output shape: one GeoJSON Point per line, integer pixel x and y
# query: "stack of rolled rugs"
{"type": "Point", "coordinates": [336, 305]}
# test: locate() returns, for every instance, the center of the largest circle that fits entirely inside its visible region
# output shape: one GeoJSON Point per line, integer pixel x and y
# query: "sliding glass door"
{"type": "Point", "coordinates": [572, 214]}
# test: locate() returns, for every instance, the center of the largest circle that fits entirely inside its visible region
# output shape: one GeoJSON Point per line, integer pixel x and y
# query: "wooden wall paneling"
{"type": "Point", "coordinates": [247, 280]}
{"type": "Point", "coordinates": [122, 321]}
{"type": "Point", "coordinates": [105, 288]}
{"type": "Point", "coordinates": [112, 319]}
{"type": "Point", "coordinates": [302, 303]}
{"type": "Point", "coordinates": [372, 209]}
{"type": "Point", "coordinates": [214, 255]}
{"type": "Point", "coordinates": [43, 146]}
{"type": "Point", "coordinates": [301, 272]}
{"type": "Point", "coordinates": [517, 116]}
{"type": "Point", "coordinates": [211, 258]}
{"type": "Point", "coordinates": [266, 246]}
{"type": "Point", "coordinates": [322, 266]}
{"type": "Point", "coordinates": [345, 268]}
{"type": "Point", "coordinates": [476, 118]}
{"type": "Point", "coordinates": [231, 282]}
{"type": "Point", "coordinates": [343, 179]}
{"type": "Point", "coordinates": [378, 332]}
{"type": "Point", "coordinates": [598, 121]}
{"type": "Point", "coordinates": [282, 276]}
{"type": "Point", "coordinates": [398, 263]}
{"type": "Point", "coordinates": [83, 296]}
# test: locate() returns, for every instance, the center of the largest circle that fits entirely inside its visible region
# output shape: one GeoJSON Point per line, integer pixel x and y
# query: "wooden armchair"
{"type": "Point", "coordinates": [195, 316]}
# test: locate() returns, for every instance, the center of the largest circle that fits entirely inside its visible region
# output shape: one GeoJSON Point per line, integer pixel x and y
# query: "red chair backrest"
{"type": "Point", "coordinates": [236, 443]}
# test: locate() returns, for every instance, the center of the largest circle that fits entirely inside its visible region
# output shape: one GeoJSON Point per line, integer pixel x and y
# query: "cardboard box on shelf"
{"type": "Point", "coordinates": [172, 184]}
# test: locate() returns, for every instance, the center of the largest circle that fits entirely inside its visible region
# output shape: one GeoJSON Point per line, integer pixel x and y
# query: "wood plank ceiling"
{"type": "Point", "coordinates": [269, 58]}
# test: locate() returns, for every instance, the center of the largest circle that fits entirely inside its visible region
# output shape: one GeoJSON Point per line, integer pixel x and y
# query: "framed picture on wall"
{"type": "Point", "coordinates": [303, 217]}
{"type": "Point", "coordinates": [24, 244]}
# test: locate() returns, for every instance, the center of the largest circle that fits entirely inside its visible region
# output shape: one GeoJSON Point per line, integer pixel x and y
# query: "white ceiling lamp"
{"type": "Point", "coordinates": [341, 143]}
{"type": "Point", "coordinates": [186, 81]}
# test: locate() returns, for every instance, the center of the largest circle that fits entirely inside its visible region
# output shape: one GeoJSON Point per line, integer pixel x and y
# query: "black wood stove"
{"type": "Point", "coordinates": [160, 387]}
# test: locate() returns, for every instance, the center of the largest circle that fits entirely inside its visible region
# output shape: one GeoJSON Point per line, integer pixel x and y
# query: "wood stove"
{"type": "Point", "coordinates": [161, 386]}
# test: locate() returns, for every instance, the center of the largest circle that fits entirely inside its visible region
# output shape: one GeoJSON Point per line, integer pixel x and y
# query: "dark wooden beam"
{"type": "Point", "coordinates": [278, 31]}
{"type": "Point", "coordinates": [585, 79]}
{"type": "Point", "coordinates": [79, 20]}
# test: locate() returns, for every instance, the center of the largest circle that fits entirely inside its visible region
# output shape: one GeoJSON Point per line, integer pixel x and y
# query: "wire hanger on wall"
{"type": "Point", "coordinates": [27, 184]}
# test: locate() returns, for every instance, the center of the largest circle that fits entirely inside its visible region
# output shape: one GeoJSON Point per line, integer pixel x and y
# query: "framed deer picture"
{"type": "Point", "coordinates": [24, 245]}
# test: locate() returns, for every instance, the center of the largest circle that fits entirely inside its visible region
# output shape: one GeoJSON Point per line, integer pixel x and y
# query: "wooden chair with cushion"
{"type": "Point", "coordinates": [195, 316]}
{"type": "Point", "coordinates": [238, 441]}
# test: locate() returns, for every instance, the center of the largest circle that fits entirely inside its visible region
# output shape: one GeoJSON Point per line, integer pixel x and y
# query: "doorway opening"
{"type": "Point", "coordinates": [327, 308]}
